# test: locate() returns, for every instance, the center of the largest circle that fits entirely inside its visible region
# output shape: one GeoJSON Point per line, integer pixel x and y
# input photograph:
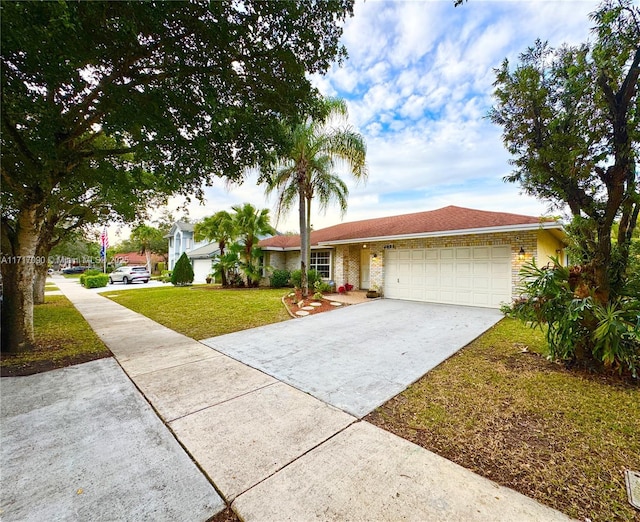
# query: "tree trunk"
{"type": "Point", "coordinates": [223, 271]}
{"type": "Point", "coordinates": [148, 254]}
{"type": "Point", "coordinates": [39, 281]}
{"type": "Point", "coordinates": [18, 274]}
{"type": "Point", "coordinates": [304, 238]}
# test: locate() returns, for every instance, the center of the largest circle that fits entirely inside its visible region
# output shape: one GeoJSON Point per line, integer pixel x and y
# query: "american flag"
{"type": "Point", "coordinates": [104, 243]}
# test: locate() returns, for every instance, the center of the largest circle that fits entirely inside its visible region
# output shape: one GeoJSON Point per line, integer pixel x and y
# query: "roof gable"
{"type": "Point", "coordinates": [448, 219]}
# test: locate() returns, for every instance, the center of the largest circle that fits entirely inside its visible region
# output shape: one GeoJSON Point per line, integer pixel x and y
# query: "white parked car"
{"type": "Point", "coordinates": [129, 274]}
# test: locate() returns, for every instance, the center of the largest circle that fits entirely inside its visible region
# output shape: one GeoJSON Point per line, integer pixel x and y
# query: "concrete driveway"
{"type": "Point", "coordinates": [358, 357]}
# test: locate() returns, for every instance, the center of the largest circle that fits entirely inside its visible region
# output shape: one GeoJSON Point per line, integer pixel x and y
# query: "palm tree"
{"type": "Point", "coordinates": [221, 229]}
{"type": "Point", "coordinates": [147, 238]}
{"type": "Point", "coordinates": [307, 170]}
{"type": "Point", "coordinates": [251, 225]}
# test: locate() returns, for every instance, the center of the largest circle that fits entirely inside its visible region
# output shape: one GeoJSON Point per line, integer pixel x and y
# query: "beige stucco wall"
{"type": "Point", "coordinates": [548, 247]}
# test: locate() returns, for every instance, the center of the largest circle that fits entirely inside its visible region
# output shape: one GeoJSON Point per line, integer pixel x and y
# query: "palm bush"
{"type": "Point", "coordinates": [579, 327]}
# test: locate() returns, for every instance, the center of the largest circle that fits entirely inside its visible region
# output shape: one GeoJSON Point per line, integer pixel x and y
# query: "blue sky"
{"type": "Point", "coordinates": [418, 82]}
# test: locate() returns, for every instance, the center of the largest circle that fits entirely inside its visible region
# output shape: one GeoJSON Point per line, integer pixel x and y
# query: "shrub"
{"type": "Point", "coordinates": [312, 277]}
{"type": "Point", "coordinates": [279, 278]}
{"type": "Point", "coordinates": [90, 272]}
{"type": "Point", "coordinates": [96, 281]}
{"type": "Point", "coordinates": [322, 287]}
{"type": "Point", "coordinates": [183, 272]}
{"type": "Point", "coordinates": [579, 327]}
{"type": "Point", "coordinates": [165, 276]}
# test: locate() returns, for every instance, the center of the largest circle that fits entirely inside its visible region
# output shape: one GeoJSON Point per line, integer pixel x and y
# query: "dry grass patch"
{"type": "Point", "coordinates": [502, 410]}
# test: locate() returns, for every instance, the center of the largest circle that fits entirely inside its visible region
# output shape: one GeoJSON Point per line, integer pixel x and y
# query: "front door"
{"type": "Point", "coordinates": [365, 269]}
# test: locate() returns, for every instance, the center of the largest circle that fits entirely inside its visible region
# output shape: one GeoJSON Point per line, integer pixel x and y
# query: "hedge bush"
{"type": "Point", "coordinates": [96, 281]}
{"type": "Point", "coordinates": [90, 272]}
{"type": "Point", "coordinates": [280, 278]}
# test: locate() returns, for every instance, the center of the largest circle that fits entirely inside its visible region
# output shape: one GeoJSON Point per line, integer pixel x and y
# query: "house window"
{"type": "Point", "coordinates": [187, 244]}
{"type": "Point", "coordinates": [321, 262]}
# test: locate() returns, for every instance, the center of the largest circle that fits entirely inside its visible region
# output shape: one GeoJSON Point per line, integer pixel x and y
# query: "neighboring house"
{"type": "Point", "coordinates": [201, 261]}
{"type": "Point", "coordinates": [136, 258]}
{"type": "Point", "coordinates": [452, 255]}
{"type": "Point", "coordinates": [181, 240]}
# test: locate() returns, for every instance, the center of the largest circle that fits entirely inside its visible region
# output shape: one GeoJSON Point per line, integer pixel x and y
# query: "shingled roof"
{"type": "Point", "coordinates": [448, 219]}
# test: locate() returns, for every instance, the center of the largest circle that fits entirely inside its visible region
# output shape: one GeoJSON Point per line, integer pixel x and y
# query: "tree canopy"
{"type": "Point", "coordinates": [108, 107]}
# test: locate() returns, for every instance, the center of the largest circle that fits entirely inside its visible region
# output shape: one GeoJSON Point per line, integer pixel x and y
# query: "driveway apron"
{"type": "Point", "coordinates": [358, 357]}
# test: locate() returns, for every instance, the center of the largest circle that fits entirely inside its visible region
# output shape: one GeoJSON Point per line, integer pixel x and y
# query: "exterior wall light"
{"type": "Point", "coordinates": [521, 254]}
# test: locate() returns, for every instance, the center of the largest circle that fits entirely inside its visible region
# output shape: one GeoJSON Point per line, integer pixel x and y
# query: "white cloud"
{"type": "Point", "coordinates": [419, 83]}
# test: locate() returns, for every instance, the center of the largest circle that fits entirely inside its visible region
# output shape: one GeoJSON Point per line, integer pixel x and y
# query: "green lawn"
{"type": "Point", "coordinates": [502, 410]}
{"type": "Point", "coordinates": [62, 338]}
{"type": "Point", "coordinates": [204, 311]}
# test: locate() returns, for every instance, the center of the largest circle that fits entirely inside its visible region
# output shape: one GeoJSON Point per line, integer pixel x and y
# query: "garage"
{"type": "Point", "coordinates": [467, 275]}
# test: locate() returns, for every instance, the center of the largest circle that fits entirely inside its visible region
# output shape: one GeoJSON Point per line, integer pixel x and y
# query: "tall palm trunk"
{"type": "Point", "coordinates": [304, 233]}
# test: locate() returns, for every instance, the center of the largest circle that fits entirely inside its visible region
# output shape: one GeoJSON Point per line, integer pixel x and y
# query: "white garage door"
{"type": "Point", "coordinates": [201, 269]}
{"type": "Point", "coordinates": [475, 276]}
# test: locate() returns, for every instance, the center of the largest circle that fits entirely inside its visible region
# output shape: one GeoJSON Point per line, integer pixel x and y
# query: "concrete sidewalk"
{"type": "Point", "coordinates": [280, 454]}
{"type": "Point", "coordinates": [81, 443]}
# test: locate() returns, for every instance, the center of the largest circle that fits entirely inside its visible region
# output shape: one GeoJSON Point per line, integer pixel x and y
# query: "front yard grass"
{"type": "Point", "coordinates": [204, 311]}
{"type": "Point", "coordinates": [502, 410]}
{"type": "Point", "coordinates": [62, 338]}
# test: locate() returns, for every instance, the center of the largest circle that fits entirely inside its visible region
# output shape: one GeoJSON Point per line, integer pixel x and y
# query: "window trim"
{"type": "Point", "coordinates": [313, 266]}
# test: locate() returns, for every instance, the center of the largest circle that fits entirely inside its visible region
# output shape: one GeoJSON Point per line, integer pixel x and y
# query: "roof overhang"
{"type": "Point", "coordinates": [552, 226]}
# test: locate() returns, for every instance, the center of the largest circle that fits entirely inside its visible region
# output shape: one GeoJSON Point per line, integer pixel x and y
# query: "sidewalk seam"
{"type": "Point", "coordinates": [355, 421]}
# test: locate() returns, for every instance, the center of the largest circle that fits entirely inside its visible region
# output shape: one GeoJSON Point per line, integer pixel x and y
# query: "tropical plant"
{"type": "Point", "coordinates": [579, 328]}
{"type": "Point", "coordinates": [219, 228]}
{"type": "Point", "coordinates": [322, 286]}
{"type": "Point", "coordinates": [312, 277]}
{"type": "Point", "coordinates": [250, 226]}
{"type": "Point", "coordinates": [571, 119]}
{"type": "Point", "coordinates": [306, 170]}
{"type": "Point", "coordinates": [182, 273]}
